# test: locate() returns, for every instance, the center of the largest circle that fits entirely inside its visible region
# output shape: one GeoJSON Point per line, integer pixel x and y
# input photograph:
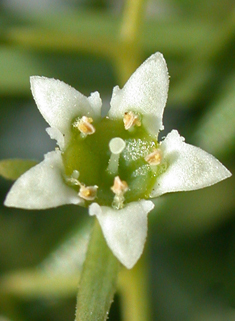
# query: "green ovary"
{"type": "Point", "coordinates": [90, 156]}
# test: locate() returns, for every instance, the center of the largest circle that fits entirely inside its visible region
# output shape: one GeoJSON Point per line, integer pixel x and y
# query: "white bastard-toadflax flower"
{"type": "Point", "coordinates": [113, 164]}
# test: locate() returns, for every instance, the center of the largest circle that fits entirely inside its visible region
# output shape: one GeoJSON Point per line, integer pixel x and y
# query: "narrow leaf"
{"type": "Point", "coordinates": [14, 168]}
{"type": "Point", "coordinates": [33, 284]}
{"type": "Point", "coordinates": [216, 131]}
{"type": "Point", "coordinates": [98, 280]}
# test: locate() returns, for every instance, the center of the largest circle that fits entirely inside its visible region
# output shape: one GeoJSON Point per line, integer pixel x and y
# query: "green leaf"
{"type": "Point", "coordinates": [68, 258]}
{"type": "Point", "coordinates": [216, 131]}
{"type": "Point", "coordinates": [14, 168]}
{"type": "Point", "coordinates": [23, 64]}
{"type": "Point", "coordinates": [91, 28]}
{"type": "Point", "coordinates": [98, 280]}
{"type": "Point", "coordinates": [33, 284]}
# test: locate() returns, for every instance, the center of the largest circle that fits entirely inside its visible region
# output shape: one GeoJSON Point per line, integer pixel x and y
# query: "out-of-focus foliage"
{"type": "Point", "coordinates": [191, 239]}
{"type": "Point", "coordinates": [14, 168]}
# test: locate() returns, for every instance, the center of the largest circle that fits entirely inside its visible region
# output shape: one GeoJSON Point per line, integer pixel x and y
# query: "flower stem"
{"type": "Point", "coordinates": [133, 288]}
{"type": "Point", "coordinates": [98, 279]}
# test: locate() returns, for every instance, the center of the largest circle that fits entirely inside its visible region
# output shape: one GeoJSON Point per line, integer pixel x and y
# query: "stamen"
{"type": "Point", "coordinates": [130, 119]}
{"type": "Point", "coordinates": [154, 158]}
{"type": "Point", "coordinates": [75, 174]}
{"type": "Point", "coordinates": [119, 188]}
{"type": "Point", "coordinates": [73, 179]}
{"type": "Point", "coordinates": [84, 125]}
{"type": "Point", "coordinates": [116, 146]}
{"type": "Point", "coordinates": [88, 193]}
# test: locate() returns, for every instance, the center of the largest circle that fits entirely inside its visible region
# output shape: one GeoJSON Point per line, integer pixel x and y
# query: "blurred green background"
{"type": "Point", "coordinates": [95, 45]}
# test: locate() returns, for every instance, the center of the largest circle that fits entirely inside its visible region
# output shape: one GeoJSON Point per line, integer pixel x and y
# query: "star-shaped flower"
{"type": "Point", "coordinates": [113, 164]}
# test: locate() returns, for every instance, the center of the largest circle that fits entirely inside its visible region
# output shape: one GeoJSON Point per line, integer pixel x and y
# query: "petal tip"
{"type": "Point", "coordinates": [145, 92]}
{"type": "Point", "coordinates": [125, 230]}
{"type": "Point", "coordinates": [7, 201]}
{"type": "Point", "coordinates": [94, 209]}
{"type": "Point", "coordinates": [36, 79]}
{"type": "Point", "coordinates": [189, 167]}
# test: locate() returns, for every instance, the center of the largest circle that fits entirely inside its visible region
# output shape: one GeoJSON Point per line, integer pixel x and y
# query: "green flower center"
{"type": "Point", "coordinates": [90, 155]}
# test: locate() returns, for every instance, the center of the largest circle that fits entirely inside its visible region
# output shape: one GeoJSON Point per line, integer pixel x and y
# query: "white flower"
{"type": "Point", "coordinates": [113, 164]}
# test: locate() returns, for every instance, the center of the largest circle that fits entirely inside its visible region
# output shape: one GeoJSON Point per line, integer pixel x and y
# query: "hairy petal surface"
{"type": "Point", "coordinates": [145, 92]}
{"type": "Point", "coordinates": [42, 186]}
{"type": "Point", "coordinates": [125, 230]}
{"type": "Point", "coordinates": [59, 103]}
{"type": "Point", "coordinates": [189, 167]}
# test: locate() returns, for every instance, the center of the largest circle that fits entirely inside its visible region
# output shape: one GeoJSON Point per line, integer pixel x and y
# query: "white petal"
{"type": "Point", "coordinates": [125, 230]}
{"type": "Point", "coordinates": [42, 186]}
{"type": "Point", "coordinates": [96, 104]}
{"type": "Point", "coordinates": [189, 168]}
{"type": "Point", "coordinates": [59, 103]}
{"type": "Point", "coordinates": [145, 92]}
{"type": "Point", "coordinates": [54, 133]}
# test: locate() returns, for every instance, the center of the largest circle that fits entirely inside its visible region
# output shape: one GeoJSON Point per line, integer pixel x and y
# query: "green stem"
{"type": "Point", "coordinates": [133, 288]}
{"type": "Point", "coordinates": [132, 16]}
{"type": "Point", "coordinates": [98, 279]}
{"type": "Point", "coordinates": [128, 56]}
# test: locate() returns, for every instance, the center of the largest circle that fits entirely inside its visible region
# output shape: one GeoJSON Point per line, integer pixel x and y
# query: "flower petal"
{"type": "Point", "coordinates": [42, 186]}
{"type": "Point", "coordinates": [189, 167]}
{"type": "Point", "coordinates": [54, 133]}
{"type": "Point", "coordinates": [145, 92]}
{"type": "Point", "coordinates": [125, 230]}
{"type": "Point", "coordinates": [59, 103]}
{"type": "Point", "coordinates": [96, 104]}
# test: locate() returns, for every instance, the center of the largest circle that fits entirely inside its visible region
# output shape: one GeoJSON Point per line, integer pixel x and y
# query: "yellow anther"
{"type": "Point", "coordinates": [119, 187]}
{"type": "Point", "coordinates": [84, 125]}
{"type": "Point", "coordinates": [88, 193]}
{"type": "Point", "coordinates": [130, 119]}
{"type": "Point", "coordinates": [154, 158]}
